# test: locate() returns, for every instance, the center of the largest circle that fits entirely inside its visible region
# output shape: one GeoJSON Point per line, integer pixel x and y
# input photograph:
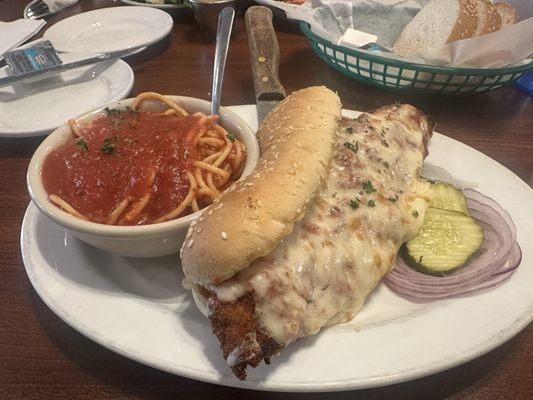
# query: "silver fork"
{"type": "Point", "coordinates": [36, 9]}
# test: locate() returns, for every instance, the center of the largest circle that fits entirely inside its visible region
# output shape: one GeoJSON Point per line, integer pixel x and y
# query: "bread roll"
{"type": "Point", "coordinates": [507, 13]}
{"type": "Point", "coordinates": [254, 214]}
{"type": "Point", "coordinates": [489, 19]}
{"type": "Point", "coordinates": [439, 22]}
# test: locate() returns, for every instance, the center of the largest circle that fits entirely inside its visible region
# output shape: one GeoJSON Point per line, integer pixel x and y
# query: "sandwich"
{"type": "Point", "coordinates": [300, 243]}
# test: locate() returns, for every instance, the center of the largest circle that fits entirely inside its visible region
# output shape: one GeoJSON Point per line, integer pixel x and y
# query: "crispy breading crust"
{"type": "Point", "coordinates": [241, 340]}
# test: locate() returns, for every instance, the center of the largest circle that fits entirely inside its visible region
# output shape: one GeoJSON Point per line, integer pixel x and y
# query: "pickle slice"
{"type": "Point", "coordinates": [447, 197]}
{"type": "Point", "coordinates": [446, 241]}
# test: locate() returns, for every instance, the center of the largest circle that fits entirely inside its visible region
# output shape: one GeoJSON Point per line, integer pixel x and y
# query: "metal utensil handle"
{"type": "Point", "coordinates": [225, 24]}
{"type": "Point", "coordinates": [264, 53]}
{"type": "Point", "coordinates": [57, 69]}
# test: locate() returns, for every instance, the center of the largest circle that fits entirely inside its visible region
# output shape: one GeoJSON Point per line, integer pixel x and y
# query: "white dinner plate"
{"type": "Point", "coordinates": [36, 108]}
{"type": "Point", "coordinates": [107, 30]}
{"type": "Point", "coordinates": [137, 307]}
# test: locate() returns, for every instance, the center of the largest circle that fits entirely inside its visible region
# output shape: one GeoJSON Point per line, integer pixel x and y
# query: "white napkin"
{"type": "Point", "coordinates": [354, 39]}
{"type": "Point", "coordinates": [17, 32]}
{"type": "Point", "coordinates": [57, 5]}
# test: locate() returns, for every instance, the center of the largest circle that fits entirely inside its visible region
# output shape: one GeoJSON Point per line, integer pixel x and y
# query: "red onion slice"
{"type": "Point", "coordinates": [497, 260]}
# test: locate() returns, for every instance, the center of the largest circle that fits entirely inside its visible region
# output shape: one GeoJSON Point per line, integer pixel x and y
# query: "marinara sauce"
{"type": "Point", "coordinates": [124, 153]}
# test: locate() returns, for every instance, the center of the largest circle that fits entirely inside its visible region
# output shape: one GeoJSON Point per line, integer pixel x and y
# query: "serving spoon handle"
{"type": "Point", "coordinates": [225, 24]}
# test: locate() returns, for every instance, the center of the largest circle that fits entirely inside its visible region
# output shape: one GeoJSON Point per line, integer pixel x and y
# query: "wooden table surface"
{"type": "Point", "coordinates": [43, 358]}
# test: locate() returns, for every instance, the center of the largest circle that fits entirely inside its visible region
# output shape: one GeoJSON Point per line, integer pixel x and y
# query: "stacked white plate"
{"type": "Point", "coordinates": [37, 107]}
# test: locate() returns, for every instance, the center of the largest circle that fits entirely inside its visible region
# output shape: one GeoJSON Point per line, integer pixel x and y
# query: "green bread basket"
{"type": "Point", "coordinates": [387, 73]}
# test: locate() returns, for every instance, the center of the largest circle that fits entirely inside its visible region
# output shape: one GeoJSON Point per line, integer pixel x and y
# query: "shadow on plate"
{"type": "Point", "coordinates": [154, 279]}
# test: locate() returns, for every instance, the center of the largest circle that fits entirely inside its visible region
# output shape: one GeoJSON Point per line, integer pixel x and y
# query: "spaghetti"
{"type": "Point", "coordinates": [131, 166]}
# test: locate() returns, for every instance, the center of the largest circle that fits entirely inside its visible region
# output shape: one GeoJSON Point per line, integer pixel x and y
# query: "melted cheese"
{"type": "Point", "coordinates": [371, 203]}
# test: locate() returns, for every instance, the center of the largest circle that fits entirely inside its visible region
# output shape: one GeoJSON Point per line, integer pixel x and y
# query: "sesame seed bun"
{"type": "Point", "coordinates": [254, 214]}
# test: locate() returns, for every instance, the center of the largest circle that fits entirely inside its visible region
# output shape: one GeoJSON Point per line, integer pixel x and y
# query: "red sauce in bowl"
{"type": "Point", "coordinates": [124, 154]}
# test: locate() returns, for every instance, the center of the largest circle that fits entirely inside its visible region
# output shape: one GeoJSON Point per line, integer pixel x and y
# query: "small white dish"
{"type": "Point", "coordinates": [107, 30]}
{"type": "Point", "coordinates": [152, 240]}
{"type": "Point", "coordinates": [36, 108]}
{"type": "Point", "coordinates": [139, 309]}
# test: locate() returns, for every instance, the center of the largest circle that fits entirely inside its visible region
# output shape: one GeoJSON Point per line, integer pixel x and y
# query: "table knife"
{"type": "Point", "coordinates": [57, 69]}
{"type": "Point", "coordinates": [264, 56]}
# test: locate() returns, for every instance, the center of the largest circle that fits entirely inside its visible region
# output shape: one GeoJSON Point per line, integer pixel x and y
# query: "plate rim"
{"type": "Point", "coordinates": [162, 33]}
{"type": "Point", "coordinates": [505, 334]}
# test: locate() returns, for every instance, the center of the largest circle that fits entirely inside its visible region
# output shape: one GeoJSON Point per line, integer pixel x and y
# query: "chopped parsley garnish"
{"type": "Point", "coordinates": [349, 129]}
{"type": "Point", "coordinates": [108, 147]}
{"type": "Point", "coordinates": [414, 213]}
{"type": "Point", "coordinates": [351, 146]}
{"type": "Point", "coordinates": [230, 137]}
{"type": "Point", "coordinates": [385, 164]}
{"type": "Point", "coordinates": [420, 259]}
{"type": "Point", "coordinates": [393, 199]}
{"type": "Point", "coordinates": [385, 143]}
{"type": "Point", "coordinates": [82, 144]}
{"type": "Point", "coordinates": [113, 111]}
{"type": "Point", "coordinates": [368, 188]}
{"type": "Point", "coordinates": [354, 203]}
{"type": "Point", "coordinates": [371, 203]}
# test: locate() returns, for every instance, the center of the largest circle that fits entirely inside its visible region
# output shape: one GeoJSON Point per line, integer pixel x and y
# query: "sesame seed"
{"type": "Point", "coordinates": [223, 235]}
{"type": "Point", "coordinates": [190, 244]}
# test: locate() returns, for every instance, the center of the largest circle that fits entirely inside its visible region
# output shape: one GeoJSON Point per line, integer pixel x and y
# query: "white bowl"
{"type": "Point", "coordinates": [142, 240]}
